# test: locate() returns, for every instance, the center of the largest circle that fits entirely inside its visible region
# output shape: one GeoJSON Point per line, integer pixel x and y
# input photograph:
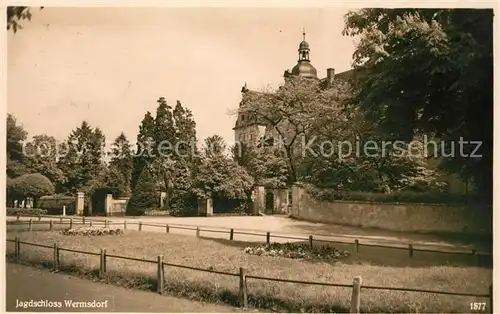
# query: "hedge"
{"type": "Point", "coordinates": [11, 211]}
{"type": "Point", "coordinates": [54, 204]}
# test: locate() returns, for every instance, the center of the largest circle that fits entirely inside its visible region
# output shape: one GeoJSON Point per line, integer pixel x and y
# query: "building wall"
{"type": "Point", "coordinates": [425, 218]}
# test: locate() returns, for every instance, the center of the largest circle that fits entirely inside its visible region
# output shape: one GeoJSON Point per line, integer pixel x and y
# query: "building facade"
{"type": "Point", "coordinates": [250, 130]}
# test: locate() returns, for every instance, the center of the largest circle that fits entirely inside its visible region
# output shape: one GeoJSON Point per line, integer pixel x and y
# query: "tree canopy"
{"type": "Point", "coordinates": [429, 71]}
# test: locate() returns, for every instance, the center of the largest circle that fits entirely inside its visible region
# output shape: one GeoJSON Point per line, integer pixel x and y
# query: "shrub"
{"type": "Point", "coordinates": [30, 185]}
{"type": "Point", "coordinates": [183, 204]}
{"type": "Point", "coordinates": [54, 204]}
{"type": "Point", "coordinates": [25, 211]}
{"type": "Point", "coordinates": [144, 197]}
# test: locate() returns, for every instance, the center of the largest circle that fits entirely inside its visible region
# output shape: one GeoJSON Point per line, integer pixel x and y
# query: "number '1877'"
{"type": "Point", "coordinates": [478, 306]}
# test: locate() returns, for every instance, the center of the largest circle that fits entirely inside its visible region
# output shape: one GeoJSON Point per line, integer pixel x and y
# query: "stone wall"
{"type": "Point", "coordinates": [424, 218]}
{"type": "Point", "coordinates": [119, 206]}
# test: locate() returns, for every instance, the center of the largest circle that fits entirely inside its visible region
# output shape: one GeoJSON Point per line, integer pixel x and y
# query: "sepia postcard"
{"type": "Point", "coordinates": [249, 157]}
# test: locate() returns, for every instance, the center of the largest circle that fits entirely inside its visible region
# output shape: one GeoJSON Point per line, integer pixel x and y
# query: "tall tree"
{"type": "Point", "coordinates": [145, 147]}
{"type": "Point", "coordinates": [82, 158]}
{"type": "Point", "coordinates": [16, 135]}
{"type": "Point", "coordinates": [185, 132]}
{"type": "Point", "coordinates": [145, 196]}
{"type": "Point", "coordinates": [164, 130]}
{"type": "Point", "coordinates": [120, 166]}
{"type": "Point", "coordinates": [430, 70]}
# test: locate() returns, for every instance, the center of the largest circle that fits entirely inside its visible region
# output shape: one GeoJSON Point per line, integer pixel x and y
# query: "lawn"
{"type": "Point", "coordinates": [218, 255]}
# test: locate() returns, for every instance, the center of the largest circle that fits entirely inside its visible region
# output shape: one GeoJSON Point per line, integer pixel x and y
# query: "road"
{"type": "Point", "coordinates": [57, 290]}
{"type": "Point", "coordinates": [279, 225]}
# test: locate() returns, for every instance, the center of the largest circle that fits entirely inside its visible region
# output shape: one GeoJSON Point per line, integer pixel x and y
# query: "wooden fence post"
{"type": "Point", "coordinates": [30, 225]}
{"type": "Point", "coordinates": [356, 245]}
{"type": "Point", "coordinates": [102, 264]}
{"type": "Point", "coordinates": [60, 219]}
{"type": "Point", "coordinates": [124, 225]}
{"type": "Point", "coordinates": [491, 300]}
{"type": "Point", "coordinates": [140, 225]}
{"type": "Point", "coordinates": [83, 221]}
{"type": "Point", "coordinates": [243, 289]}
{"type": "Point", "coordinates": [39, 217]}
{"type": "Point", "coordinates": [475, 257]}
{"type": "Point", "coordinates": [356, 295]}
{"type": "Point", "coordinates": [198, 232]}
{"type": "Point", "coordinates": [268, 237]}
{"type": "Point", "coordinates": [71, 223]}
{"type": "Point", "coordinates": [18, 217]}
{"type": "Point", "coordinates": [231, 234]}
{"type": "Point", "coordinates": [16, 249]}
{"type": "Point", "coordinates": [410, 249]}
{"type": "Point", "coordinates": [167, 228]}
{"type": "Point", "coordinates": [106, 223]}
{"type": "Point", "coordinates": [55, 262]}
{"type": "Point", "coordinates": [311, 241]}
{"type": "Point", "coordinates": [91, 223]}
{"type": "Point", "coordinates": [51, 225]}
{"type": "Point", "coordinates": [161, 275]}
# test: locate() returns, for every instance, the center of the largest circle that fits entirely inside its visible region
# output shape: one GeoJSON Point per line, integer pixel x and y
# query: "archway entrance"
{"type": "Point", "coordinates": [98, 201]}
{"type": "Point", "coordinates": [269, 202]}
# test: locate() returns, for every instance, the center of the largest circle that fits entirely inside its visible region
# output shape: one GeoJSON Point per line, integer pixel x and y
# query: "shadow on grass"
{"type": "Point", "coordinates": [481, 242]}
{"type": "Point", "coordinates": [186, 289]}
{"type": "Point", "coordinates": [379, 256]}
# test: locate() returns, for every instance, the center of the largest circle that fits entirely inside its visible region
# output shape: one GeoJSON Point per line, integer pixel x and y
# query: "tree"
{"type": "Point", "coordinates": [219, 175]}
{"type": "Point", "coordinates": [41, 157]}
{"type": "Point", "coordinates": [145, 147]}
{"type": "Point", "coordinates": [145, 195]}
{"type": "Point", "coordinates": [120, 166]}
{"type": "Point", "coordinates": [350, 154]}
{"type": "Point", "coordinates": [267, 165]}
{"type": "Point", "coordinates": [429, 71]}
{"type": "Point", "coordinates": [15, 14]}
{"type": "Point", "coordinates": [185, 132]}
{"type": "Point", "coordinates": [82, 158]}
{"type": "Point", "coordinates": [16, 135]}
{"type": "Point", "coordinates": [292, 112]}
{"type": "Point", "coordinates": [33, 185]}
{"type": "Point", "coordinates": [175, 158]}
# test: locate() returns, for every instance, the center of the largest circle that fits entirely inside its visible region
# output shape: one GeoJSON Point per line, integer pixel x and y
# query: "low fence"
{"type": "Point", "coordinates": [357, 244]}
{"type": "Point", "coordinates": [356, 285]}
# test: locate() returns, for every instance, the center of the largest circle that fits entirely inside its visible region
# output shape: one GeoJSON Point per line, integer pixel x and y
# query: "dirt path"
{"type": "Point", "coordinates": [27, 283]}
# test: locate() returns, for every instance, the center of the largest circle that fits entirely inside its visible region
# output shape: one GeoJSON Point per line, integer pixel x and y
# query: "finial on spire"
{"type": "Point", "coordinates": [303, 33]}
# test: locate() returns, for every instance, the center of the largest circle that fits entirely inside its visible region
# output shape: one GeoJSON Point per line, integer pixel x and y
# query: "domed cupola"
{"type": "Point", "coordinates": [304, 67]}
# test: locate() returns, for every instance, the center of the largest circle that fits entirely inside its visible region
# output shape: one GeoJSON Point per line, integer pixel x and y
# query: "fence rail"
{"type": "Point", "coordinates": [410, 247]}
{"type": "Point", "coordinates": [355, 286]}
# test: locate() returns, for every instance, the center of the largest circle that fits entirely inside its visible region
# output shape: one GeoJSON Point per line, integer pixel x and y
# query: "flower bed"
{"type": "Point", "coordinates": [297, 251]}
{"type": "Point", "coordinates": [91, 231]}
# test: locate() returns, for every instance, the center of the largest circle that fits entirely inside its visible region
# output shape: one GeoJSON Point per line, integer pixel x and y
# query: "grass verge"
{"type": "Point", "coordinates": [276, 296]}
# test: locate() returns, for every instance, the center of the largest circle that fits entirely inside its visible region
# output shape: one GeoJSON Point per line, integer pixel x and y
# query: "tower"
{"type": "Point", "coordinates": [304, 68]}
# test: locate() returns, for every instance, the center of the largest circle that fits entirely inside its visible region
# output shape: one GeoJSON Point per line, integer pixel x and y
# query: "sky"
{"type": "Point", "coordinates": [108, 66]}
